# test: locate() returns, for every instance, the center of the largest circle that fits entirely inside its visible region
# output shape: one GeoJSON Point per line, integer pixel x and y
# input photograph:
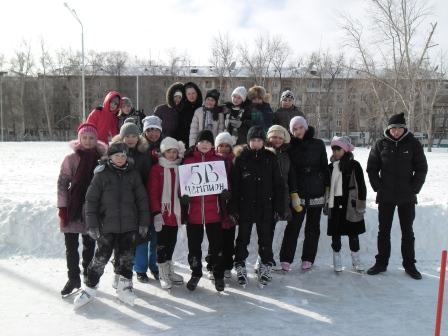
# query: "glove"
{"type": "Point", "coordinates": [295, 202]}
{"type": "Point", "coordinates": [185, 200]}
{"type": "Point", "coordinates": [62, 213]}
{"type": "Point", "coordinates": [235, 123]}
{"type": "Point", "coordinates": [225, 195]}
{"type": "Point", "coordinates": [143, 231]}
{"type": "Point", "coordinates": [94, 233]}
{"type": "Point", "coordinates": [360, 206]}
{"type": "Point", "coordinates": [158, 222]}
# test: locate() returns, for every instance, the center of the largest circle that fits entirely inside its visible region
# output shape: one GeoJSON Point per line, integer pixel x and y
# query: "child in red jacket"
{"type": "Point", "coordinates": [163, 190]}
{"type": "Point", "coordinates": [204, 210]}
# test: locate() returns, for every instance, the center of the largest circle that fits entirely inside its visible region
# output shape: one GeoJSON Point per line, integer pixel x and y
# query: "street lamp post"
{"type": "Point", "coordinates": [83, 88]}
{"type": "Point", "coordinates": [1, 100]}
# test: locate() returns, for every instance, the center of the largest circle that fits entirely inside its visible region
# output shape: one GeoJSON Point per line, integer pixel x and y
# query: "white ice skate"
{"type": "Point", "coordinates": [241, 274]}
{"type": "Point", "coordinates": [125, 291]}
{"type": "Point", "coordinates": [164, 275]}
{"type": "Point", "coordinates": [264, 275]}
{"type": "Point", "coordinates": [337, 261]}
{"type": "Point", "coordinates": [175, 278]}
{"type": "Point", "coordinates": [84, 297]}
{"type": "Point", "coordinates": [356, 262]}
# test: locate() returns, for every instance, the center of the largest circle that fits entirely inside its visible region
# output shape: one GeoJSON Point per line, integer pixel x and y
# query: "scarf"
{"type": "Point", "coordinates": [80, 183]}
{"type": "Point", "coordinates": [167, 188]}
{"type": "Point", "coordinates": [336, 184]}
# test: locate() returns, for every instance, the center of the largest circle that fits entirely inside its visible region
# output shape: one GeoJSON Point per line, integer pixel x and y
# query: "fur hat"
{"type": "Point", "coordinates": [117, 147]}
{"type": "Point", "coordinates": [344, 142]}
{"type": "Point", "coordinates": [287, 94]}
{"type": "Point", "coordinates": [87, 128]}
{"type": "Point", "coordinates": [397, 120]}
{"type": "Point", "coordinates": [296, 121]}
{"type": "Point", "coordinates": [125, 101]}
{"type": "Point", "coordinates": [256, 92]}
{"type": "Point", "coordinates": [129, 128]}
{"type": "Point", "coordinates": [224, 138]}
{"type": "Point", "coordinates": [152, 122]}
{"type": "Point", "coordinates": [171, 143]}
{"type": "Point", "coordinates": [213, 93]}
{"type": "Point", "coordinates": [205, 135]}
{"type": "Point", "coordinates": [256, 132]}
{"type": "Point", "coordinates": [280, 131]}
{"type": "Point", "coordinates": [240, 91]}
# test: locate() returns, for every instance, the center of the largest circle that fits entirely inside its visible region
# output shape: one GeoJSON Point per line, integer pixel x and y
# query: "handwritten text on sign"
{"type": "Point", "coordinates": [203, 178]}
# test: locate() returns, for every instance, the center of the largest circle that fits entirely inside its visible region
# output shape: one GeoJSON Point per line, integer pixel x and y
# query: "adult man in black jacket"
{"type": "Point", "coordinates": [397, 169]}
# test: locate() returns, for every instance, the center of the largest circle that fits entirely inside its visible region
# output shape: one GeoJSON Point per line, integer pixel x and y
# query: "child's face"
{"type": "Point", "coordinates": [299, 131]}
{"type": "Point", "coordinates": [257, 100]}
{"type": "Point", "coordinates": [276, 141]}
{"type": "Point", "coordinates": [204, 146]}
{"type": "Point", "coordinates": [338, 152]}
{"type": "Point", "coordinates": [256, 143]}
{"type": "Point", "coordinates": [130, 140]}
{"type": "Point", "coordinates": [114, 103]}
{"type": "Point", "coordinates": [87, 140]}
{"type": "Point", "coordinates": [119, 159]}
{"type": "Point", "coordinates": [237, 100]}
{"type": "Point", "coordinates": [191, 95]}
{"type": "Point", "coordinates": [287, 103]}
{"type": "Point", "coordinates": [126, 109]}
{"type": "Point", "coordinates": [171, 154]}
{"type": "Point", "coordinates": [224, 149]}
{"type": "Point", "coordinates": [153, 134]}
{"type": "Point", "coordinates": [209, 102]}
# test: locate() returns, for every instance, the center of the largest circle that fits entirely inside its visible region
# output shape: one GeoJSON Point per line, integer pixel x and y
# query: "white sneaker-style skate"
{"type": "Point", "coordinates": [164, 275]}
{"type": "Point", "coordinates": [84, 297]}
{"type": "Point", "coordinates": [337, 261]}
{"type": "Point", "coordinates": [125, 291]}
{"type": "Point", "coordinates": [356, 262]}
{"type": "Point", "coordinates": [175, 278]}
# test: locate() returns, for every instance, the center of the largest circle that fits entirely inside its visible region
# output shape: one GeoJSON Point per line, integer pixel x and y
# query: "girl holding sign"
{"type": "Point", "coordinates": [204, 210]}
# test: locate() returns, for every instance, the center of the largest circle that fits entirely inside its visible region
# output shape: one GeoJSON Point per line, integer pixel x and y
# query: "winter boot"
{"type": "Point", "coordinates": [164, 275]}
{"type": "Point", "coordinates": [125, 291]}
{"type": "Point", "coordinates": [412, 271]}
{"type": "Point", "coordinates": [71, 286]}
{"type": "Point", "coordinates": [241, 274]}
{"type": "Point", "coordinates": [356, 262]}
{"type": "Point", "coordinates": [142, 277]}
{"type": "Point", "coordinates": [84, 297]}
{"type": "Point", "coordinates": [337, 261]}
{"type": "Point", "coordinates": [264, 275]}
{"type": "Point", "coordinates": [115, 281]}
{"type": "Point", "coordinates": [193, 282]}
{"type": "Point", "coordinates": [155, 274]}
{"type": "Point", "coordinates": [219, 284]}
{"type": "Point", "coordinates": [376, 269]}
{"type": "Point", "coordinates": [175, 278]}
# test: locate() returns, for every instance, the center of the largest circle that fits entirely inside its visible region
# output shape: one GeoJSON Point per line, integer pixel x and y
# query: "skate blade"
{"type": "Point", "coordinates": [72, 293]}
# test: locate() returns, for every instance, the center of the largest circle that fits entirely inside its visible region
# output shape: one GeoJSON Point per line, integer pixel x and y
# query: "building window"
{"type": "Point", "coordinates": [339, 110]}
{"type": "Point", "coordinates": [338, 123]}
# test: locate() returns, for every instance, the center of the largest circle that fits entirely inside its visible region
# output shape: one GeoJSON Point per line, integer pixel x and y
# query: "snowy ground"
{"type": "Point", "coordinates": [32, 272]}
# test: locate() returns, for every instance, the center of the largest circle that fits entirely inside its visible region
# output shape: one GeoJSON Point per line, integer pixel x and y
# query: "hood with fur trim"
{"type": "Point", "coordinates": [178, 86]}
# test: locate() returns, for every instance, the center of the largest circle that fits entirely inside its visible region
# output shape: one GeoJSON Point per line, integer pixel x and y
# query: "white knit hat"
{"type": "Point", "coordinates": [171, 143]}
{"type": "Point", "coordinates": [224, 138]}
{"type": "Point", "coordinates": [152, 121]}
{"type": "Point", "coordinates": [240, 91]}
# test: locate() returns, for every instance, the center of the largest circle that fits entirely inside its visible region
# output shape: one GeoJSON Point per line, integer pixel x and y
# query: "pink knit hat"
{"type": "Point", "coordinates": [87, 128]}
{"type": "Point", "coordinates": [297, 121]}
{"type": "Point", "coordinates": [344, 142]}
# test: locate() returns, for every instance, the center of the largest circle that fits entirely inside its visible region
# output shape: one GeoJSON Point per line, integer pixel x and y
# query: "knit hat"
{"type": "Point", "coordinates": [129, 128]}
{"type": "Point", "coordinates": [224, 138]}
{"type": "Point", "coordinates": [397, 120]}
{"type": "Point", "coordinates": [279, 131]}
{"type": "Point", "coordinates": [256, 132]}
{"type": "Point", "coordinates": [171, 143]}
{"type": "Point", "coordinates": [205, 135]}
{"type": "Point", "coordinates": [125, 101]}
{"type": "Point", "coordinates": [344, 142]}
{"type": "Point", "coordinates": [240, 91]}
{"type": "Point", "coordinates": [87, 128]}
{"type": "Point", "coordinates": [287, 94]}
{"type": "Point", "coordinates": [297, 121]}
{"type": "Point", "coordinates": [213, 93]}
{"type": "Point", "coordinates": [178, 93]}
{"type": "Point", "coordinates": [152, 122]}
{"type": "Point", "coordinates": [117, 147]}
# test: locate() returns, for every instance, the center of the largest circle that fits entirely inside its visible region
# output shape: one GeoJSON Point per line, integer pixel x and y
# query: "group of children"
{"type": "Point", "coordinates": [133, 197]}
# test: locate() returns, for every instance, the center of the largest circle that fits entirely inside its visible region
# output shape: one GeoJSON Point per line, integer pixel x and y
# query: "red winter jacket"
{"type": "Point", "coordinates": [155, 189]}
{"type": "Point", "coordinates": [105, 120]}
{"type": "Point", "coordinates": [203, 209]}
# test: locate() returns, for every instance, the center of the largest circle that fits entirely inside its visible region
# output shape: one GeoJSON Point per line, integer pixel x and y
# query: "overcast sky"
{"type": "Point", "coordinates": [150, 28]}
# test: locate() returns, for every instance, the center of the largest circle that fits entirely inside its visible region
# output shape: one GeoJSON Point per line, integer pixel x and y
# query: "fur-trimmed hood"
{"type": "Point", "coordinates": [142, 144]}
{"type": "Point", "coordinates": [178, 86]}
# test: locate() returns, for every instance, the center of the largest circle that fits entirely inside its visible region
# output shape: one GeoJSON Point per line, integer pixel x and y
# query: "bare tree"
{"type": "Point", "coordinates": [46, 64]}
{"type": "Point", "coordinates": [222, 59]}
{"type": "Point", "coordinates": [281, 53]}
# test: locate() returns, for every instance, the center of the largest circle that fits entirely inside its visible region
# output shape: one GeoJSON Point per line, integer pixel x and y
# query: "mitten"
{"type": "Point", "coordinates": [295, 202]}
{"type": "Point", "coordinates": [158, 222]}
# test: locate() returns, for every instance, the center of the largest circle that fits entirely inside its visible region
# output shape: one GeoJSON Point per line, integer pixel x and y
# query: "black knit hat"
{"type": "Point", "coordinates": [117, 147]}
{"type": "Point", "coordinates": [397, 120]}
{"type": "Point", "coordinates": [256, 132]}
{"type": "Point", "coordinates": [205, 135]}
{"type": "Point", "coordinates": [213, 93]}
